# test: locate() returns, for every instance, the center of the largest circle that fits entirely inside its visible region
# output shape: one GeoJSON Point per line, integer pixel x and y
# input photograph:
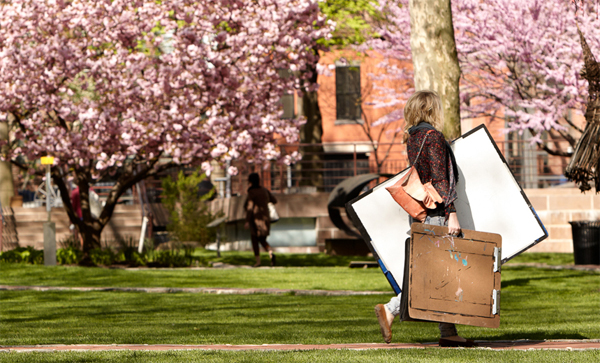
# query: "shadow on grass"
{"type": "Point", "coordinates": [550, 258]}
{"type": "Point", "coordinates": [283, 259]}
{"type": "Point", "coordinates": [527, 281]}
{"type": "Point", "coordinates": [534, 336]}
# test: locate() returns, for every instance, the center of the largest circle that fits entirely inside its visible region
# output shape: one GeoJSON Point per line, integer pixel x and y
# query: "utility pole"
{"type": "Point", "coordinates": [49, 226]}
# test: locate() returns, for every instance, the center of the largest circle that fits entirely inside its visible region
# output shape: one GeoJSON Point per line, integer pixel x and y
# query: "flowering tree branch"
{"type": "Point", "coordinates": [518, 57]}
{"type": "Point", "coordinates": [111, 87]}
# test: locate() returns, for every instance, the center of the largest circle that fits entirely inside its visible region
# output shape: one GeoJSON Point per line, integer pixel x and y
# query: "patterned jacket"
{"type": "Point", "coordinates": [432, 164]}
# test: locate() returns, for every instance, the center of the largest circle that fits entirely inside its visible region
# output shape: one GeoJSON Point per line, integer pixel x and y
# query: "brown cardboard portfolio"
{"type": "Point", "coordinates": [454, 280]}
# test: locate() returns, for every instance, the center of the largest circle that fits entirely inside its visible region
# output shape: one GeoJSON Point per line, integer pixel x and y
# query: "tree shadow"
{"type": "Point", "coordinates": [526, 281]}
{"type": "Point", "coordinates": [535, 336]}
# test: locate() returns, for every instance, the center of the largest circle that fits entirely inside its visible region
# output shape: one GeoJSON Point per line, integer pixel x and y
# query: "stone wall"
{"type": "Point", "coordinates": [126, 222]}
{"type": "Point", "coordinates": [556, 207]}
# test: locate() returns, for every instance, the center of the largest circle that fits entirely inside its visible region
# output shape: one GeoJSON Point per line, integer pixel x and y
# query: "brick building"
{"type": "Point", "coordinates": [348, 84]}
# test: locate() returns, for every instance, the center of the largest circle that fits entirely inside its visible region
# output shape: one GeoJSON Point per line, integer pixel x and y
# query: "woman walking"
{"type": "Point", "coordinates": [257, 216]}
{"type": "Point", "coordinates": [434, 163]}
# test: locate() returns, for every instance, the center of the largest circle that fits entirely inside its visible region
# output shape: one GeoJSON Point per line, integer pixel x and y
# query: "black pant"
{"type": "Point", "coordinates": [262, 240]}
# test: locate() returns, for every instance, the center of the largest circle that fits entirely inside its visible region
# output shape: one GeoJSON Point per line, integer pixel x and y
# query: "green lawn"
{"type": "Point", "coordinates": [323, 260]}
{"type": "Point", "coordinates": [375, 356]}
{"type": "Point", "coordinates": [567, 310]}
{"type": "Point", "coordinates": [536, 304]}
{"type": "Point", "coordinates": [283, 259]}
{"type": "Point", "coordinates": [544, 257]}
{"type": "Point", "coordinates": [328, 278]}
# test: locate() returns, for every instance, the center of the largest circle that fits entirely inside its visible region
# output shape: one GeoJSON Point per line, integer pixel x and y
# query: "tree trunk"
{"type": "Point", "coordinates": [89, 228]}
{"type": "Point", "coordinates": [6, 177]}
{"type": "Point", "coordinates": [311, 133]}
{"type": "Point", "coordinates": [91, 238]}
{"type": "Point", "coordinates": [435, 57]}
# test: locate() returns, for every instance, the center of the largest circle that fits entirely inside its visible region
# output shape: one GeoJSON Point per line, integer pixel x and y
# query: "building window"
{"type": "Point", "coordinates": [347, 94]}
{"type": "Point", "coordinates": [287, 102]}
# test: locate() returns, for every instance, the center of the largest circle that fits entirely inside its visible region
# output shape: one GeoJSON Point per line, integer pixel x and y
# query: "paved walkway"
{"type": "Point", "coordinates": [488, 345]}
{"type": "Point", "coordinates": [199, 290]}
{"type": "Point", "coordinates": [555, 267]}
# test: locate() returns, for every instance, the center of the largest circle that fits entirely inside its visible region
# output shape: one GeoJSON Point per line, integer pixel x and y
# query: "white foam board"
{"type": "Point", "coordinates": [489, 200]}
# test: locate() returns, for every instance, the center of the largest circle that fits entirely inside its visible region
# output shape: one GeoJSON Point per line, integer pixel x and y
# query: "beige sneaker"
{"type": "Point", "coordinates": [386, 330]}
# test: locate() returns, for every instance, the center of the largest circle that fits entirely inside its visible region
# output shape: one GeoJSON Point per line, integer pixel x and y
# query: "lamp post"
{"type": "Point", "coordinates": [49, 226]}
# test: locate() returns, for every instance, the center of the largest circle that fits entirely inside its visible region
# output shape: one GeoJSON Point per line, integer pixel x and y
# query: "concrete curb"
{"type": "Point", "coordinates": [199, 290]}
{"type": "Point", "coordinates": [555, 267]}
{"type": "Point", "coordinates": [568, 345]}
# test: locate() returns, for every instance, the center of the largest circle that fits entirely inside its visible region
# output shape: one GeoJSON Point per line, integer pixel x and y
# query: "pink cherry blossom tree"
{"type": "Point", "coordinates": [519, 59]}
{"type": "Point", "coordinates": [126, 89]}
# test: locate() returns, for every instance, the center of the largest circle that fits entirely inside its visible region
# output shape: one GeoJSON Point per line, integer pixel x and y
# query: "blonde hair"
{"type": "Point", "coordinates": [423, 106]}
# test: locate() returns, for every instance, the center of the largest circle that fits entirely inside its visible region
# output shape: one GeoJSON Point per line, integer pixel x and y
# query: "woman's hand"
{"type": "Point", "coordinates": [453, 225]}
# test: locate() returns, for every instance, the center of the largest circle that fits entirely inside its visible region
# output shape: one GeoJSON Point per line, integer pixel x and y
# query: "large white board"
{"type": "Point", "coordinates": [489, 200]}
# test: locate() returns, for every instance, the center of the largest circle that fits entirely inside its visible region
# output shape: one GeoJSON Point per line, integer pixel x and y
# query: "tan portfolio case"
{"type": "Point", "coordinates": [454, 280]}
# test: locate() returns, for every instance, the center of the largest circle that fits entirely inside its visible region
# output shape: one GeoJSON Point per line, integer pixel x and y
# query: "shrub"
{"type": "Point", "coordinates": [148, 252]}
{"type": "Point", "coordinates": [128, 252]}
{"type": "Point", "coordinates": [102, 257]}
{"type": "Point", "coordinates": [69, 256]}
{"type": "Point", "coordinates": [70, 252]}
{"type": "Point", "coordinates": [172, 258]}
{"type": "Point", "coordinates": [23, 255]}
{"type": "Point", "coordinates": [131, 258]}
{"type": "Point", "coordinates": [189, 214]}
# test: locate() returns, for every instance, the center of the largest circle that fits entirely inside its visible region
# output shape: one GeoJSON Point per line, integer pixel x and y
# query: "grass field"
{"type": "Point", "coordinates": [375, 356]}
{"type": "Point", "coordinates": [328, 278]}
{"type": "Point", "coordinates": [334, 276]}
{"type": "Point", "coordinates": [536, 304]}
{"type": "Point", "coordinates": [283, 259]}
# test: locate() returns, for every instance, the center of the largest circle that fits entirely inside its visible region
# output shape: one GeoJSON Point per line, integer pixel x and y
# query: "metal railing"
{"type": "Point", "coordinates": [321, 171]}
{"type": "Point", "coordinates": [324, 166]}
{"type": "Point", "coordinates": [532, 168]}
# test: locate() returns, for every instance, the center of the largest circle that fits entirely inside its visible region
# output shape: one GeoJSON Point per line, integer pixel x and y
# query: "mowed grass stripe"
{"type": "Point", "coordinates": [298, 278]}
{"type": "Point", "coordinates": [321, 356]}
{"type": "Point", "coordinates": [541, 309]}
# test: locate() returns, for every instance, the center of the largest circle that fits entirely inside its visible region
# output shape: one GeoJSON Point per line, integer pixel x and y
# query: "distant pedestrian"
{"type": "Point", "coordinates": [95, 209]}
{"type": "Point", "coordinates": [76, 202]}
{"type": "Point", "coordinates": [257, 216]}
